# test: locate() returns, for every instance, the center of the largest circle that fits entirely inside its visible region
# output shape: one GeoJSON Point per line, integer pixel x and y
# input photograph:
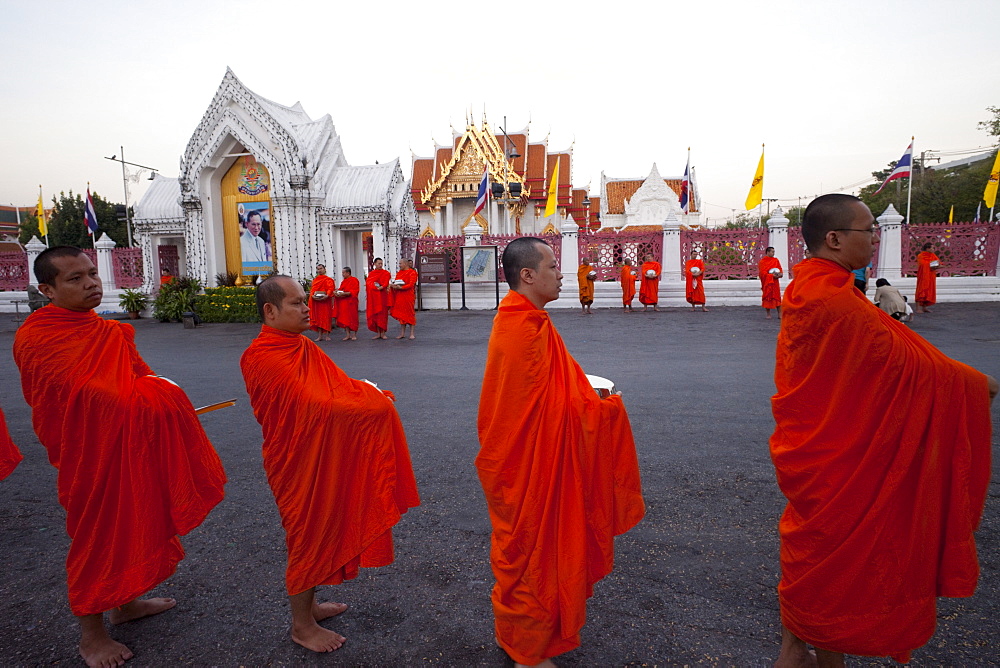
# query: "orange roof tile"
{"type": "Point", "coordinates": [442, 156]}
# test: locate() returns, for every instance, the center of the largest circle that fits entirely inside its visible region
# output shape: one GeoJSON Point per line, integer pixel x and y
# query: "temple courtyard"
{"type": "Point", "coordinates": [694, 582]}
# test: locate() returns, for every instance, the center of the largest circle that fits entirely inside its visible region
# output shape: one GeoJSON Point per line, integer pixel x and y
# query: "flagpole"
{"type": "Point", "coordinates": [909, 190]}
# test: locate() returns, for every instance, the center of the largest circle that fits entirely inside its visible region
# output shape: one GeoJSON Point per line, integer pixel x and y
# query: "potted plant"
{"type": "Point", "coordinates": [133, 302]}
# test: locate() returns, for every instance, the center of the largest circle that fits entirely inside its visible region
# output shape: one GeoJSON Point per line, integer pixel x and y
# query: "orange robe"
{"type": "Point", "coordinates": [627, 278]}
{"type": "Point", "coordinates": [770, 287]}
{"type": "Point", "coordinates": [926, 279]}
{"type": "Point", "coordinates": [10, 456]}
{"type": "Point", "coordinates": [321, 311]}
{"type": "Point", "coordinates": [347, 307]}
{"type": "Point", "coordinates": [694, 286]}
{"type": "Point", "coordinates": [377, 307]}
{"type": "Point", "coordinates": [558, 466]}
{"type": "Point", "coordinates": [882, 447]}
{"type": "Point", "coordinates": [335, 456]}
{"type": "Point", "coordinates": [586, 284]}
{"type": "Point", "coordinates": [649, 289]}
{"type": "Point", "coordinates": [135, 467]}
{"type": "Point", "coordinates": [403, 300]}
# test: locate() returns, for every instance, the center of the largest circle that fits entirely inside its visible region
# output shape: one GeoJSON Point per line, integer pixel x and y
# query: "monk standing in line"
{"type": "Point", "coordinates": [321, 304]}
{"type": "Point", "coordinates": [649, 289]}
{"type": "Point", "coordinates": [404, 298]}
{"type": "Point", "coordinates": [585, 276]}
{"type": "Point", "coordinates": [694, 285]}
{"type": "Point", "coordinates": [377, 300]}
{"type": "Point", "coordinates": [10, 456]}
{"type": "Point", "coordinates": [347, 305]}
{"type": "Point", "coordinates": [557, 464]}
{"type": "Point", "coordinates": [335, 456]}
{"type": "Point", "coordinates": [135, 469]}
{"type": "Point", "coordinates": [882, 447]}
{"type": "Point", "coordinates": [627, 277]}
{"type": "Point", "coordinates": [927, 269]}
{"type": "Point", "coordinates": [769, 271]}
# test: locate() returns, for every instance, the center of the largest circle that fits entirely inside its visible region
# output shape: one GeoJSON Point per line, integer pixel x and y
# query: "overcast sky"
{"type": "Point", "coordinates": [834, 89]}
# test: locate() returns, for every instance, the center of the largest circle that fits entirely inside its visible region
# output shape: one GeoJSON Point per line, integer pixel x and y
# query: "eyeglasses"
{"type": "Point", "coordinates": [870, 230]}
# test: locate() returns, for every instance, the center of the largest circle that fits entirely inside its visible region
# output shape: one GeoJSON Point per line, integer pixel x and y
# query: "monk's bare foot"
{"type": "Point", "coordinates": [103, 652]}
{"type": "Point", "coordinates": [385, 337]}
{"type": "Point", "coordinates": [794, 652]}
{"type": "Point", "coordinates": [346, 338]}
{"type": "Point", "coordinates": [704, 309]}
{"type": "Point", "coordinates": [768, 316]}
{"type": "Point", "coordinates": [140, 608]}
{"type": "Point", "coordinates": [412, 336]}
{"type": "Point", "coordinates": [401, 336]}
{"type": "Point", "coordinates": [377, 336]}
{"type": "Point", "coordinates": [354, 338]}
{"type": "Point", "coordinates": [326, 610]}
{"type": "Point", "coordinates": [318, 639]}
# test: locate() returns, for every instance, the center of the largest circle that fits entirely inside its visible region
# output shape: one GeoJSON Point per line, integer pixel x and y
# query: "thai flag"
{"type": "Point", "coordinates": [89, 215]}
{"type": "Point", "coordinates": [686, 188]}
{"type": "Point", "coordinates": [902, 168]}
{"type": "Point", "coordinates": [484, 188]}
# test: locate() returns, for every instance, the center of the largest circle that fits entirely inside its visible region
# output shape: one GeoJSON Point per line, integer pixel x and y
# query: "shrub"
{"type": "Point", "coordinates": [176, 296]}
{"type": "Point", "coordinates": [226, 278]}
{"type": "Point", "coordinates": [227, 304]}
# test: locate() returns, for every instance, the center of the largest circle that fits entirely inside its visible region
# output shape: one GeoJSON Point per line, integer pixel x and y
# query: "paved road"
{"type": "Point", "coordinates": [694, 581]}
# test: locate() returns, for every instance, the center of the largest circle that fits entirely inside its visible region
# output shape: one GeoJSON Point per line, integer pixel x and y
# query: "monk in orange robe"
{"type": "Point", "coordinates": [335, 456]}
{"type": "Point", "coordinates": [10, 456]}
{"type": "Point", "coordinates": [322, 304]}
{"type": "Point", "coordinates": [404, 298]}
{"type": "Point", "coordinates": [927, 267]}
{"type": "Point", "coordinates": [377, 298]}
{"type": "Point", "coordinates": [694, 282]}
{"type": "Point", "coordinates": [135, 469]}
{"type": "Point", "coordinates": [882, 447]}
{"type": "Point", "coordinates": [649, 289]}
{"type": "Point", "coordinates": [769, 271]}
{"type": "Point", "coordinates": [557, 464]}
{"type": "Point", "coordinates": [627, 277]}
{"type": "Point", "coordinates": [347, 305]}
{"type": "Point", "coordinates": [586, 283]}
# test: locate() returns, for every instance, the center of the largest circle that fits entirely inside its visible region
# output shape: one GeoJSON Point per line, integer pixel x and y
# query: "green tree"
{"type": "Point", "coordinates": [991, 126]}
{"type": "Point", "coordinates": [66, 226]}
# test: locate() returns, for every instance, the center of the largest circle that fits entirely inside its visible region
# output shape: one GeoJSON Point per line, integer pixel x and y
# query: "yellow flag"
{"type": "Point", "coordinates": [990, 195]}
{"type": "Point", "coordinates": [43, 228]}
{"type": "Point", "coordinates": [551, 203]}
{"type": "Point", "coordinates": [951, 214]}
{"type": "Point", "coordinates": [756, 195]}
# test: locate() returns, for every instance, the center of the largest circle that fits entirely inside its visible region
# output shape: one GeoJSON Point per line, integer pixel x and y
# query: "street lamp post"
{"type": "Point", "coordinates": [128, 217]}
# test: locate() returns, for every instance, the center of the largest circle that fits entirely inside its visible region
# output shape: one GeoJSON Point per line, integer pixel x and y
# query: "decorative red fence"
{"type": "Point", "coordinates": [797, 252]}
{"type": "Point", "coordinates": [965, 249]}
{"type": "Point", "coordinates": [170, 260]}
{"type": "Point", "coordinates": [14, 271]}
{"type": "Point", "coordinates": [127, 264]}
{"type": "Point", "coordinates": [501, 241]}
{"type": "Point", "coordinates": [728, 254]}
{"type": "Point", "coordinates": [607, 249]}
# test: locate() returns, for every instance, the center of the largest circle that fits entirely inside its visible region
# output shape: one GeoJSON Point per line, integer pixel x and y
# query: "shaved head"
{"type": "Point", "coordinates": [521, 253]}
{"type": "Point", "coordinates": [826, 213]}
{"type": "Point", "coordinates": [271, 291]}
{"type": "Point", "coordinates": [45, 271]}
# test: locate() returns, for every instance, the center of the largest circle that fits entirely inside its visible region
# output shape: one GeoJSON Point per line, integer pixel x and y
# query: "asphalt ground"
{"type": "Point", "coordinates": [694, 582]}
